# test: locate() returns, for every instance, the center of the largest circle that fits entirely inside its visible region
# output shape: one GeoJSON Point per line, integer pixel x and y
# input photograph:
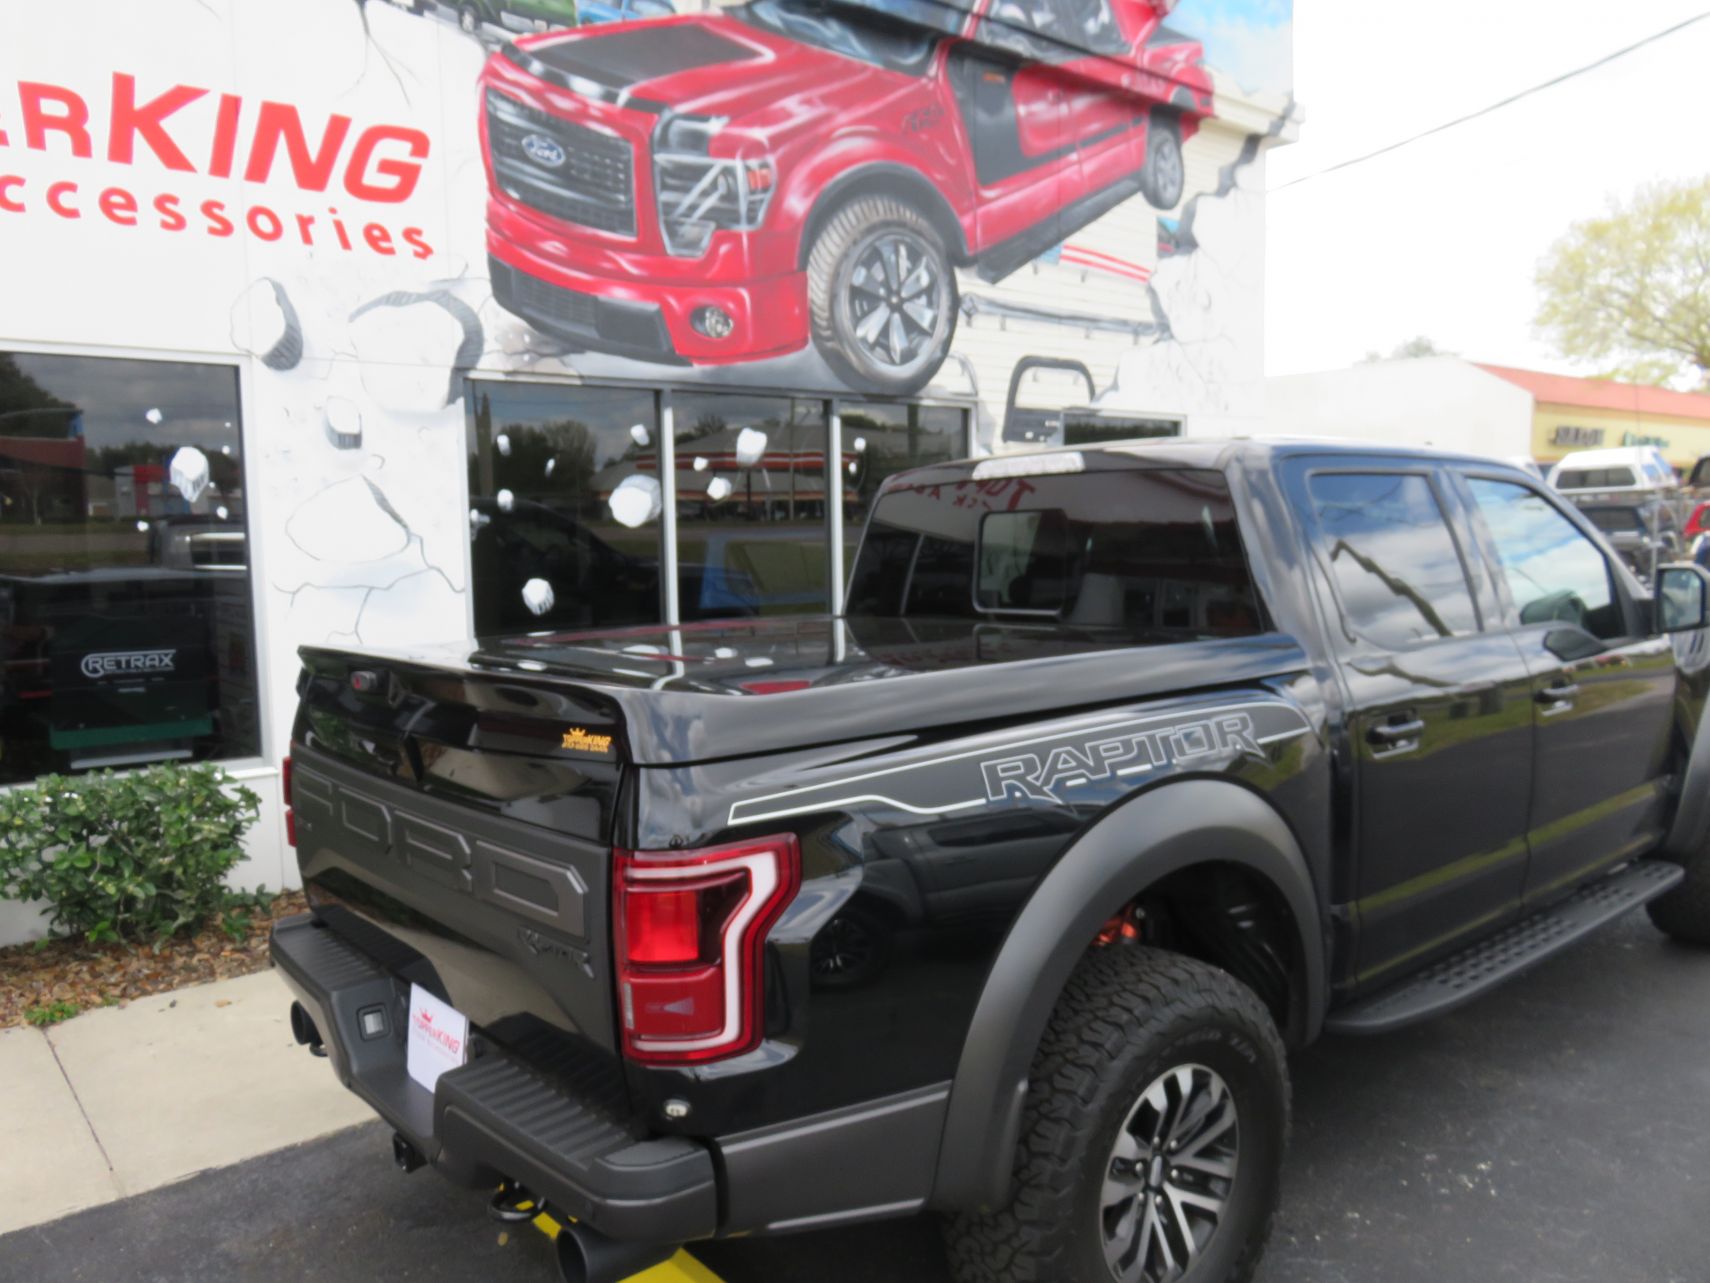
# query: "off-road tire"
{"type": "Point", "coordinates": [1683, 911]}
{"type": "Point", "coordinates": [838, 248]}
{"type": "Point", "coordinates": [1163, 176]}
{"type": "Point", "coordinates": [1127, 1015]}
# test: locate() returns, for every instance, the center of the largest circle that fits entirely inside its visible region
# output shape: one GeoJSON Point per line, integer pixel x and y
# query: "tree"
{"type": "Point", "coordinates": [1414, 347]}
{"type": "Point", "coordinates": [1631, 289]}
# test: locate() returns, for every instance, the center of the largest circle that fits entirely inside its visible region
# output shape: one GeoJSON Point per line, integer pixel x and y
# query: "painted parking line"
{"type": "Point", "coordinates": [681, 1268]}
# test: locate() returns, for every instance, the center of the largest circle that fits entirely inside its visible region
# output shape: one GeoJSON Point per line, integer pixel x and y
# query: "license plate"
{"type": "Point", "coordinates": [439, 1037]}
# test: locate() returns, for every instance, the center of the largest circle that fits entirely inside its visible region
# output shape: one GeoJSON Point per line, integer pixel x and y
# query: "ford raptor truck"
{"type": "Point", "coordinates": [731, 186]}
{"type": "Point", "coordinates": [1002, 893]}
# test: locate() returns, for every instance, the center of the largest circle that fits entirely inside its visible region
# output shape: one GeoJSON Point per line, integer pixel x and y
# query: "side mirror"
{"type": "Point", "coordinates": [1683, 598]}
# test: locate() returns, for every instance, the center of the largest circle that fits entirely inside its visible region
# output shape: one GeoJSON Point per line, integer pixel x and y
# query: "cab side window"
{"type": "Point", "coordinates": [1554, 573]}
{"type": "Point", "coordinates": [1398, 573]}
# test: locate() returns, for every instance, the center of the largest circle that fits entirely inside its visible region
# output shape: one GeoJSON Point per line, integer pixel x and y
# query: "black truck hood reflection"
{"type": "Point", "coordinates": [732, 689]}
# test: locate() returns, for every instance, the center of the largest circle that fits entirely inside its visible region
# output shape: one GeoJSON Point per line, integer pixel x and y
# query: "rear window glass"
{"type": "Point", "coordinates": [1615, 521]}
{"type": "Point", "coordinates": [1144, 552]}
{"type": "Point", "coordinates": [1595, 479]}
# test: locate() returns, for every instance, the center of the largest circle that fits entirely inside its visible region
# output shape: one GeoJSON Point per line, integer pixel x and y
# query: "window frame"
{"type": "Point", "coordinates": [263, 764]}
{"type": "Point", "coordinates": [1623, 584]}
{"type": "Point", "coordinates": [835, 543]}
{"type": "Point", "coordinates": [1450, 506]}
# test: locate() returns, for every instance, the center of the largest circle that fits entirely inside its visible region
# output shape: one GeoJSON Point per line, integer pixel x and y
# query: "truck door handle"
{"type": "Point", "coordinates": [1386, 734]}
{"type": "Point", "coordinates": [1562, 693]}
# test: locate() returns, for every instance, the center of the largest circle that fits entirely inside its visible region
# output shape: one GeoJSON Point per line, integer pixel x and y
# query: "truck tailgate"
{"type": "Point", "coordinates": [445, 825]}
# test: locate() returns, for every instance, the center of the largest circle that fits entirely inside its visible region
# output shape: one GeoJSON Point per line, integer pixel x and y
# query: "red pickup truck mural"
{"type": "Point", "coordinates": [727, 187]}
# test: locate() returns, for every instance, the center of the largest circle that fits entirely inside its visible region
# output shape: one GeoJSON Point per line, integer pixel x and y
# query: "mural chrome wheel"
{"type": "Point", "coordinates": [1164, 176]}
{"type": "Point", "coordinates": [882, 295]}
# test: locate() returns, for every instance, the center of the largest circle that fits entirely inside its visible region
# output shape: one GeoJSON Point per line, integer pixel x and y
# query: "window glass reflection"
{"type": "Point", "coordinates": [565, 500]}
{"type": "Point", "coordinates": [1554, 573]}
{"type": "Point", "coordinates": [1397, 571]}
{"type": "Point", "coordinates": [751, 536]}
{"type": "Point", "coordinates": [881, 439]}
{"type": "Point", "coordinates": [126, 631]}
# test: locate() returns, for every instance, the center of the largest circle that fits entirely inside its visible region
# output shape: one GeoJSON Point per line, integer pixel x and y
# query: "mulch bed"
{"type": "Point", "coordinates": [33, 976]}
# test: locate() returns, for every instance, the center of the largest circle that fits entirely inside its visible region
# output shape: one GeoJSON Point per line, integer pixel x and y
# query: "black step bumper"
{"type": "Point", "coordinates": [494, 1118]}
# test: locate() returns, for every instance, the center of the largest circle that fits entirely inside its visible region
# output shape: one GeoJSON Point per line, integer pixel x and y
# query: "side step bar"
{"type": "Point", "coordinates": [1464, 976]}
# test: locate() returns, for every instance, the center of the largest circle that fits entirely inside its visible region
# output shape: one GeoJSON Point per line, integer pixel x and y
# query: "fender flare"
{"type": "Point", "coordinates": [1170, 827]}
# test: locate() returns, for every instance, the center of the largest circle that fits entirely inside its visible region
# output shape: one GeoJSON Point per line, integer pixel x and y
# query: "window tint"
{"type": "Point", "coordinates": [1554, 573]}
{"type": "Point", "coordinates": [564, 502]}
{"type": "Point", "coordinates": [1152, 553]}
{"type": "Point", "coordinates": [126, 635]}
{"type": "Point", "coordinates": [1397, 571]}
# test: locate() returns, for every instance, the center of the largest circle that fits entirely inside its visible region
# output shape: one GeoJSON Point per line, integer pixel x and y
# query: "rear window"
{"type": "Point", "coordinates": [1595, 479]}
{"type": "Point", "coordinates": [1615, 521]}
{"type": "Point", "coordinates": [1153, 552]}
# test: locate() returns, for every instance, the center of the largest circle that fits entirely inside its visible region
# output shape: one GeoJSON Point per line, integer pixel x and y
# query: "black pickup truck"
{"type": "Point", "coordinates": [1003, 893]}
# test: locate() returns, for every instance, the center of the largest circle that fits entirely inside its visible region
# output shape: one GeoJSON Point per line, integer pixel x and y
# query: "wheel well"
{"type": "Point", "coordinates": [885, 180]}
{"type": "Point", "coordinates": [1230, 917]}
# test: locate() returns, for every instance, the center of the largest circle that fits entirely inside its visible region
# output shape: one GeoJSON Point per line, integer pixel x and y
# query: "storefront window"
{"type": "Point", "coordinates": [564, 507]}
{"type": "Point", "coordinates": [126, 631]}
{"type": "Point", "coordinates": [880, 439]}
{"type": "Point", "coordinates": [751, 512]}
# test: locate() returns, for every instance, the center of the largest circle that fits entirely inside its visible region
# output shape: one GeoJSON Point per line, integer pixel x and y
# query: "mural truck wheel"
{"type": "Point", "coordinates": [1164, 176]}
{"type": "Point", "coordinates": [882, 296]}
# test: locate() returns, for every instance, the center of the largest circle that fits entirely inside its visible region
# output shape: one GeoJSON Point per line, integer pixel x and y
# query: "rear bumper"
{"type": "Point", "coordinates": [493, 1118]}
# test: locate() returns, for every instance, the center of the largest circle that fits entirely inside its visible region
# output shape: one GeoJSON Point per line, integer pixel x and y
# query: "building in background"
{"type": "Point", "coordinates": [1456, 404]}
{"type": "Point", "coordinates": [384, 324]}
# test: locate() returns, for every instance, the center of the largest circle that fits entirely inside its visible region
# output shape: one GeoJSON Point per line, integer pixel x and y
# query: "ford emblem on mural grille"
{"type": "Point", "coordinates": [543, 150]}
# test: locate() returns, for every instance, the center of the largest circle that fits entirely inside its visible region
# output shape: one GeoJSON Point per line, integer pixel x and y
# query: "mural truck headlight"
{"type": "Point", "coordinates": [697, 193]}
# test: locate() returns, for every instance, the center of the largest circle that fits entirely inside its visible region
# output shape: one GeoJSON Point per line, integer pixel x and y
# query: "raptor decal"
{"type": "Point", "coordinates": [1047, 764]}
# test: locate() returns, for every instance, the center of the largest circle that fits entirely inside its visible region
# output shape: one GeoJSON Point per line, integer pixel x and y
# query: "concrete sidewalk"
{"type": "Point", "coordinates": [123, 1100]}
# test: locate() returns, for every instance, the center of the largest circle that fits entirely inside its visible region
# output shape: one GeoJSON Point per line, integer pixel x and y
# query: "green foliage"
{"type": "Point", "coordinates": [135, 856]}
{"type": "Point", "coordinates": [1420, 345]}
{"type": "Point", "coordinates": [51, 1014]}
{"type": "Point", "coordinates": [1631, 290]}
{"type": "Point", "coordinates": [238, 907]}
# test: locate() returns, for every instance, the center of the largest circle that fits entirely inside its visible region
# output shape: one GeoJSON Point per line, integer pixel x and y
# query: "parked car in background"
{"type": "Point", "coordinates": [1642, 530]}
{"type": "Point", "coordinates": [1640, 467]}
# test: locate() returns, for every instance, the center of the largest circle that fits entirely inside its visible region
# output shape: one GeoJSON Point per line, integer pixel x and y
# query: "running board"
{"type": "Point", "coordinates": [1462, 977]}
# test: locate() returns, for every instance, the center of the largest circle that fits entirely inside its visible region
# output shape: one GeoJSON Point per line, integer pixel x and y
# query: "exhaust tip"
{"type": "Point", "coordinates": [303, 1027]}
{"type": "Point", "coordinates": [587, 1256]}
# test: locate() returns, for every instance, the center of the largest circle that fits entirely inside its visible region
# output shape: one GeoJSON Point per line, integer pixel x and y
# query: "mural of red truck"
{"type": "Point", "coordinates": [727, 187]}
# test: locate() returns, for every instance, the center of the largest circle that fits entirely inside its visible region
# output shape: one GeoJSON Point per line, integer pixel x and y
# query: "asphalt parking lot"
{"type": "Point", "coordinates": [1556, 1131]}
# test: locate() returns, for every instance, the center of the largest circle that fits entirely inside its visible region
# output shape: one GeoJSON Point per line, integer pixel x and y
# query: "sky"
{"type": "Point", "coordinates": [1443, 238]}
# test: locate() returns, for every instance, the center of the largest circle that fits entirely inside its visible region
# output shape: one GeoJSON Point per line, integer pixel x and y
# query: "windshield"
{"type": "Point", "coordinates": [898, 35]}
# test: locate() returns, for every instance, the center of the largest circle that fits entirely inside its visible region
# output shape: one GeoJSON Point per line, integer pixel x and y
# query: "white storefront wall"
{"type": "Point", "coordinates": [1443, 402]}
{"type": "Point", "coordinates": [346, 283]}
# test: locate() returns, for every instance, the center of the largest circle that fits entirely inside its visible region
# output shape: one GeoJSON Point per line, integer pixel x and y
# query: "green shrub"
{"type": "Point", "coordinates": [138, 855]}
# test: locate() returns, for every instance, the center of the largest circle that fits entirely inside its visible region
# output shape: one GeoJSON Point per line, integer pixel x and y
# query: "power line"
{"type": "Point", "coordinates": [1498, 106]}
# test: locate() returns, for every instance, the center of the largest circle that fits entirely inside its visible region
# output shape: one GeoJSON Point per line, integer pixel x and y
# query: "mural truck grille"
{"type": "Point", "coordinates": [561, 168]}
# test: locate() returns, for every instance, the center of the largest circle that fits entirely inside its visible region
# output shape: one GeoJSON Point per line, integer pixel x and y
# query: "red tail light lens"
{"type": "Point", "coordinates": [691, 931]}
{"type": "Point", "coordinates": [290, 815]}
{"type": "Point", "coordinates": [1698, 522]}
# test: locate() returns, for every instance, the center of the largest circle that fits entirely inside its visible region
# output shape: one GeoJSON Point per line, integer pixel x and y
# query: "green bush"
{"type": "Point", "coordinates": [137, 855]}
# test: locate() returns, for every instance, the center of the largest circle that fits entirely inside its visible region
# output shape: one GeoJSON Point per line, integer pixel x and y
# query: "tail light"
{"type": "Point", "coordinates": [690, 933]}
{"type": "Point", "coordinates": [290, 815]}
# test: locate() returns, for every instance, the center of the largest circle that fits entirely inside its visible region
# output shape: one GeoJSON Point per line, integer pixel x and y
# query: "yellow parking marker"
{"type": "Point", "coordinates": [681, 1268]}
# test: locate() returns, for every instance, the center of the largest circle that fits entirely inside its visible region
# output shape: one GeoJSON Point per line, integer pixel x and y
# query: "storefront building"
{"type": "Point", "coordinates": [1454, 404]}
{"type": "Point", "coordinates": [351, 322]}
